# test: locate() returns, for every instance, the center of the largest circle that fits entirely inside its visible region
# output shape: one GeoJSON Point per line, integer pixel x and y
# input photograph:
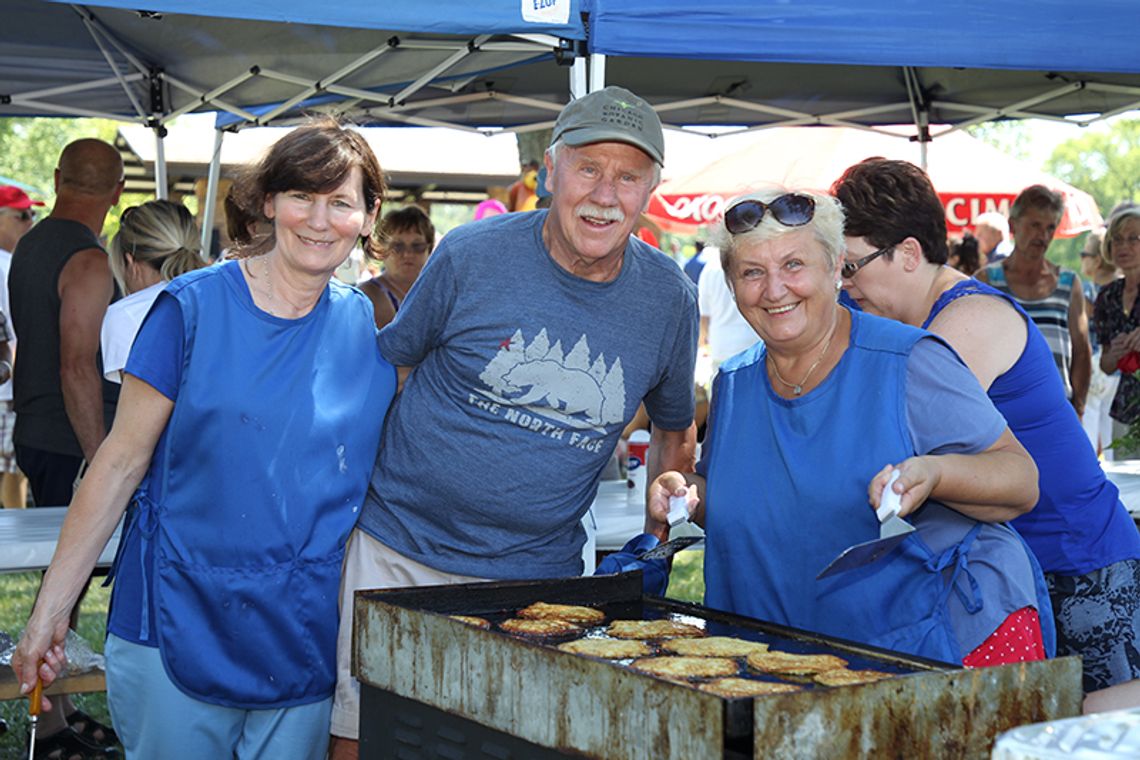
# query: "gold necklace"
{"type": "Point", "coordinates": [798, 388]}
{"type": "Point", "coordinates": [267, 285]}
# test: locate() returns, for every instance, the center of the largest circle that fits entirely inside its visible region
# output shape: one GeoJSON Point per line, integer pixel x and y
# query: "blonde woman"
{"type": "Point", "coordinates": [157, 241]}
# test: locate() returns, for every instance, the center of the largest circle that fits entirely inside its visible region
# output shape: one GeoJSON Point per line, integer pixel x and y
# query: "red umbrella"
{"type": "Point", "coordinates": [971, 177]}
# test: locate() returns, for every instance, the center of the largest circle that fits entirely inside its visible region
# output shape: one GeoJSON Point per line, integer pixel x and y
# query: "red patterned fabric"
{"type": "Point", "coordinates": [1017, 639]}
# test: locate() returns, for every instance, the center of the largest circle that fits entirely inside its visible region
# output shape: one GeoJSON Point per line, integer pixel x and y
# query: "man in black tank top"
{"type": "Point", "coordinates": [59, 286]}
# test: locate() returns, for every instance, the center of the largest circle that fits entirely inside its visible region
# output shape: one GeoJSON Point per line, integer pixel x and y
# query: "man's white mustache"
{"type": "Point", "coordinates": [604, 213]}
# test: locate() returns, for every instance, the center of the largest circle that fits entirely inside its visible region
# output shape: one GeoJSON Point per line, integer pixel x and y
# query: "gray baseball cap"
{"type": "Point", "coordinates": [611, 115]}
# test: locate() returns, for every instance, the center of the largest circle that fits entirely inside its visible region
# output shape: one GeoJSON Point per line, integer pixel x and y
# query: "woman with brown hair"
{"type": "Point", "coordinates": [239, 449]}
{"type": "Point", "coordinates": [408, 239]}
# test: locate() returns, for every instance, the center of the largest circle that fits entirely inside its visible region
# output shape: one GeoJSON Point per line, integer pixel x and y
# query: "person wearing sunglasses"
{"type": "Point", "coordinates": [806, 429]}
{"type": "Point", "coordinates": [408, 237]}
{"type": "Point", "coordinates": [1116, 317]}
{"type": "Point", "coordinates": [1097, 420]}
{"type": "Point", "coordinates": [17, 215]}
{"type": "Point", "coordinates": [1081, 534]}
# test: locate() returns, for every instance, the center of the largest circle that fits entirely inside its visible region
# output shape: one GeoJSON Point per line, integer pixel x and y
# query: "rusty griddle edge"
{"type": "Point", "coordinates": [948, 715]}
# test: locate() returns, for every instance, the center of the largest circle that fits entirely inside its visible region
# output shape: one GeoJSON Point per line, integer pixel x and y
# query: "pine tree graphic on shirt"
{"type": "Point", "coordinates": [569, 388]}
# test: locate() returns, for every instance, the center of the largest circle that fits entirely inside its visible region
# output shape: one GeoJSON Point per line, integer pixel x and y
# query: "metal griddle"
{"type": "Point", "coordinates": [407, 648]}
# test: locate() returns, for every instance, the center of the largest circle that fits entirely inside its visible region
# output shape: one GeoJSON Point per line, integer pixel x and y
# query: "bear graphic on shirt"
{"type": "Point", "coordinates": [573, 388]}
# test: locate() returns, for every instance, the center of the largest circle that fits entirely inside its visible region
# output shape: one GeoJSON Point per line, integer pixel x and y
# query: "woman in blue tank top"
{"type": "Point", "coordinates": [805, 430]}
{"type": "Point", "coordinates": [250, 416]}
{"type": "Point", "coordinates": [1081, 534]}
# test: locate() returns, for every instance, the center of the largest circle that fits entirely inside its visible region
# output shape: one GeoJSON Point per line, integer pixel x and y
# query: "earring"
{"type": "Point", "coordinates": [838, 285]}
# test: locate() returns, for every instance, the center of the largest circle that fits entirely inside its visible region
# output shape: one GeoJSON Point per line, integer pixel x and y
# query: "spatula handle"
{"type": "Point", "coordinates": [36, 698]}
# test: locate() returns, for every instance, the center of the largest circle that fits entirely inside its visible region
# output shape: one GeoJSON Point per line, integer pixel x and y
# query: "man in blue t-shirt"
{"type": "Point", "coordinates": [531, 339]}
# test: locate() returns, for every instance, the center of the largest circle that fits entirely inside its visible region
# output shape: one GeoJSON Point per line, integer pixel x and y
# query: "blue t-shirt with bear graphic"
{"type": "Point", "coordinates": [524, 378]}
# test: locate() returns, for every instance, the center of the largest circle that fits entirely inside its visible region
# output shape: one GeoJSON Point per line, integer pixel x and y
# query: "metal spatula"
{"type": "Point", "coordinates": [892, 531]}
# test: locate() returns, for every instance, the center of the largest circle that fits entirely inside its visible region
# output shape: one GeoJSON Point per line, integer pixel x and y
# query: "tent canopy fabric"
{"type": "Point", "coordinates": [150, 67]}
{"type": "Point", "coordinates": [1012, 34]}
{"type": "Point", "coordinates": [461, 17]}
{"type": "Point", "coordinates": [736, 62]}
{"type": "Point", "coordinates": [970, 176]}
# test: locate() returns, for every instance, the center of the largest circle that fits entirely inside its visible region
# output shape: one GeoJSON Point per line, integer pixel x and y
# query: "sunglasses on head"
{"type": "Point", "coordinates": [790, 210]}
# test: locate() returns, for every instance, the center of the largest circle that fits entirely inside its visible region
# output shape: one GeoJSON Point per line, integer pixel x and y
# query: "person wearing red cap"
{"type": "Point", "coordinates": [17, 216]}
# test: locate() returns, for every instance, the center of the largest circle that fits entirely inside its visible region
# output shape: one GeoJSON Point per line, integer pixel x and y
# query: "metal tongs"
{"type": "Point", "coordinates": [892, 531]}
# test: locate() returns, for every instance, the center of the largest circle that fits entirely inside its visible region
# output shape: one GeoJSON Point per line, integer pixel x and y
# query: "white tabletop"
{"type": "Point", "coordinates": [28, 538]}
{"type": "Point", "coordinates": [1125, 474]}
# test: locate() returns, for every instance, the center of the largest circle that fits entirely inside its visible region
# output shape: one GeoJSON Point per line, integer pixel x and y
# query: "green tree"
{"type": "Point", "coordinates": [29, 147]}
{"type": "Point", "coordinates": [1011, 137]}
{"type": "Point", "coordinates": [1104, 163]}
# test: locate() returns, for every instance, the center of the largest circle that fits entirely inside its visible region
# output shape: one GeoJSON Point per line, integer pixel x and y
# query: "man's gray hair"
{"type": "Point", "coordinates": [1038, 197]}
{"type": "Point", "coordinates": [826, 226]}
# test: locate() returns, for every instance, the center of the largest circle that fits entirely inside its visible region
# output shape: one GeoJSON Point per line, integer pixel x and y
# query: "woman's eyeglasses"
{"type": "Point", "coordinates": [790, 210]}
{"type": "Point", "coordinates": [419, 249]}
{"type": "Point", "coordinates": [1120, 241]}
{"type": "Point", "coordinates": [851, 267]}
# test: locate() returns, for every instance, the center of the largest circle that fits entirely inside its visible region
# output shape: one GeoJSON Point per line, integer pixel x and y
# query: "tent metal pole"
{"type": "Point", "coordinates": [161, 186]}
{"type": "Point", "coordinates": [578, 78]}
{"type": "Point", "coordinates": [597, 72]}
{"type": "Point", "coordinates": [210, 201]}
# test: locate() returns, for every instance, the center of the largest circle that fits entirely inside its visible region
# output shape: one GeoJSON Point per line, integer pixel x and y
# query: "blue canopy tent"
{"type": "Point", "coordinates": [486, 66]}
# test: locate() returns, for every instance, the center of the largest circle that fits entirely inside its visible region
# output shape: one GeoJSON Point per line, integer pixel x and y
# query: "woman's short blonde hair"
{"type": "Point", "coordinates": [1118, 220]}
{"type": "Point", "coordinates": [826, 226]}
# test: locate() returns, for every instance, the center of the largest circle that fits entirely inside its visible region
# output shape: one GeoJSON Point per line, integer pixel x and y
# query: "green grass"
{"type": "Point", "coordinates": [687, 580]}
{"type": "Point", "coordinates": [17, 592]}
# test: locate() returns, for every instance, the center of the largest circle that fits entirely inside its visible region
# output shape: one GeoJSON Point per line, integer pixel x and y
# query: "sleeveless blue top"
{"type": "Point", "coordinates": [1079, 524]}
{"type": "Point", "coordinates": [787, 492]}
{"type": "Point", "coordinates": [235, 536]}
{"type": "Point", "coordinates": [1050, 314]}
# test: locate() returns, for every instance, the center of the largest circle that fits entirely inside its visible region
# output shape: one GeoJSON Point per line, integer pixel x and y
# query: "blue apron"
{"type": "Point", "coordinates": [244, 518]}
{"type": "Point", "coordinates": [787, 492]}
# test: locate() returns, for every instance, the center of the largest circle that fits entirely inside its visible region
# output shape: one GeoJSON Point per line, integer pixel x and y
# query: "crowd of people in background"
{"type": "Point", "coordinates": [340, 424]}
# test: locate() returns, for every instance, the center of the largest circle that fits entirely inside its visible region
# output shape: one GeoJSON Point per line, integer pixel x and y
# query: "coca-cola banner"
{"type": "Point", "coordinates": [970, 176]}
{"type": "Point", "coordinates": [684, 213]}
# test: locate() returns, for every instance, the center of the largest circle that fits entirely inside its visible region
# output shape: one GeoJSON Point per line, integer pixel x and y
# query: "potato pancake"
{"type": "Point", "coordinates": [686, 667]}
{"type": "Point", "coordinates": [539, 627]}
{"type": "Point", "coordinates": [794, 664]}
{"type": "Point", "coordinates": [575, 614]}
{"type": "Point", "coordinates": [609, 649]}
{"type": "Point", "coordinates": [713, 646]}
{"type": "Point", "coordinates": [743, 687]}
{"type": "Point", "coordinates": [652, 629]}
{"type": "Point", "coordinates": [845, 677]}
